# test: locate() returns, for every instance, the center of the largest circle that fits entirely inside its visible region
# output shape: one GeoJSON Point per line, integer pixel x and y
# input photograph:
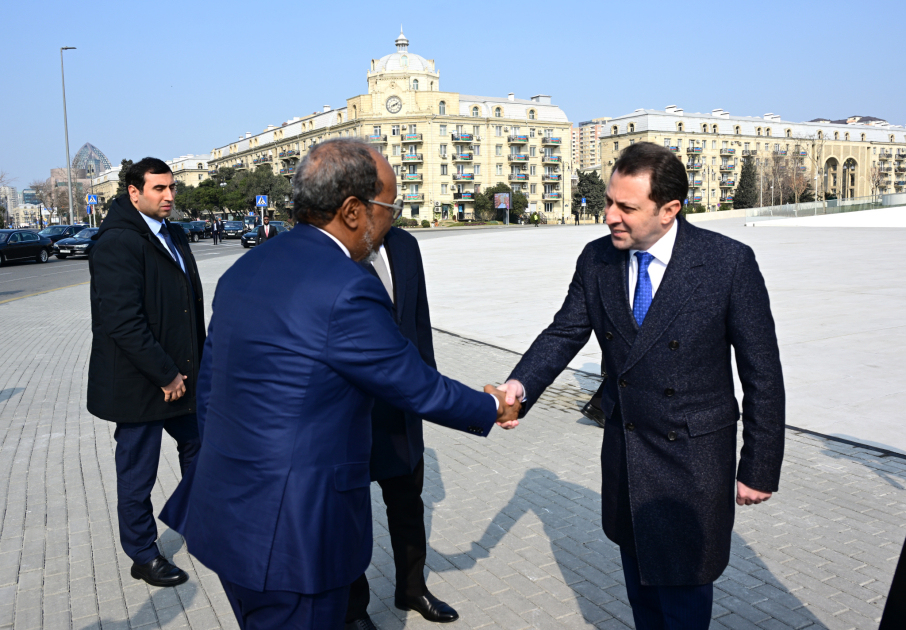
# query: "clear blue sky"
{"type": "Point", "coordinates": [168, 78]}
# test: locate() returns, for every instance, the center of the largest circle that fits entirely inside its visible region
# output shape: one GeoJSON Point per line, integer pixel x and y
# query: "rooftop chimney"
{"type": "Point", "coordinates": [511, 96]}
{"type": "Point", "coordinates": [248, 134]}
{"type": "Point", "coordinates": [670, 109]}
{"type": "Point", "coordinates": [326, 108]}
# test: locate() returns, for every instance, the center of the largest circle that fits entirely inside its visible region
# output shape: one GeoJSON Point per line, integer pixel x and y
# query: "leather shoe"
{"type": "Point", "coordinates": [159, 572]}
{"type": "Point", "coordinates": [428, 607]}
{"type": "Point", "coordinates": [363, 623]}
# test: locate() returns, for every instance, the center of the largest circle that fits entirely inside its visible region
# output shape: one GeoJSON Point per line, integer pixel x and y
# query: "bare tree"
{"type": "Point", "coordinates": [876, 178]}
{"type": "Point", "coordinates": [45, 194]}
{"type": "Point", "coordinates": [5, 178]}
{"type": "Point", "coordinates": [813, 145]}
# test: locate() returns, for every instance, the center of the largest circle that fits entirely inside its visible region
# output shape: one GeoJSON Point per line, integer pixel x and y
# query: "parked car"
{"type": "Point", "coordinates": [24, 245]}
{"type": "Point", "coordinates": [250, 239]}
{"type": "Point", "coordinates": [233, 229]}
{"type": "Point", "coordinates": [78, 245]}
{"type": "Point", "coordinates": [58, 232]}
{"type": "Point", "coordinates": [206, 227]}
{"type": "Point", "coordinates": [194, 229]}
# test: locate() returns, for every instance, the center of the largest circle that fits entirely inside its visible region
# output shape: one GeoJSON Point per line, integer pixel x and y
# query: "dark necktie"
{"type": "Point", "coordinates": [643, 290]}
{"type": "Point", "coordinates": [166, 234]}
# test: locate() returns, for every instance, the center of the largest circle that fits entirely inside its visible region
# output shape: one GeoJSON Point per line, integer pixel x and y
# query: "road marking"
{"type": "Point", "coordinates": [43, 275]}
{"type": "Point", "coordinates": [22, 297]}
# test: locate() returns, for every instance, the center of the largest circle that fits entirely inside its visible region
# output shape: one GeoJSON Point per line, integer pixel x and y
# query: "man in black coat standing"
{"type": "Point", "coordinates": [667, 302]}
{"type": "Point", "coordinates": [266, 231]}
{"type": "Point", "coordinates": [398, 447]}
{"type": "Point", "coordinates": [147, 324]}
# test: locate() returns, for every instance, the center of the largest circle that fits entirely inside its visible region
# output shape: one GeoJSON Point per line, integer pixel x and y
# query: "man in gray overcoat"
{"type": "Point", "coordinates": [667, 301]}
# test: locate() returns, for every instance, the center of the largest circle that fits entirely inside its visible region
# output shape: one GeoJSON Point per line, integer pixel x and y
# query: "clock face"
{"type": "Point", "coordinates": [394, 104]}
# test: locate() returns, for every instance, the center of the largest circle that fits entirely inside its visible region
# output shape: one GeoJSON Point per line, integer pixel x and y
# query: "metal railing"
{"type": "Point", "coordinates": [812, 208]}
{"type": "Point", "coordinates": [463, 176]}
{"type": "Point", "coordinates": [517, 139]}
{"type": "Point", "coordinates": [462, 137]}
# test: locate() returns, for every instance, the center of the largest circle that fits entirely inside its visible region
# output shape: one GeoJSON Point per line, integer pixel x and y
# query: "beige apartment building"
{"type": "Point", "coordinates": [444, 146]}
{"type": "Point", "coordinates": [844, 159]}
{"type": "Point", "coordinates": [189, 169]}
{"type": "Point", "coordinates": [585, 143]}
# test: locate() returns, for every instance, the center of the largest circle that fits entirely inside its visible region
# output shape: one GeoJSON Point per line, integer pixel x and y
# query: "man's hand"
{"type": "Point", "coordinates": [175, 390]}
{"type": "Point", "coordinates": [748, 496]}
{"type": "Point", "coordinates": [507, 414]}
{"type": "Point", "coordinates": [514, 391]}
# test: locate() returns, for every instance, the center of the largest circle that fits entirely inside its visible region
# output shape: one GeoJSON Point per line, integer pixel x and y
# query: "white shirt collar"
{"type": "Point", "coordinates": [335, 240]}
{"type": "Point", "coordinates": [662, 250]}
{"type": "Point", "coordinates": [153, 223]}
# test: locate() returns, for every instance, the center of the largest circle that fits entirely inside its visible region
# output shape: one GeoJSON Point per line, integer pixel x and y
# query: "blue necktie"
{"type": "Point", "coordinates": [641, 302]}
{"type": "Point", "coordinates": [166, 234]}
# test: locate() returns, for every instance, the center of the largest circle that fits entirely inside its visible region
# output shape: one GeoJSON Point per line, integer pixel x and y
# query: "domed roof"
{"type": "Point", "coordinates": [93, 156]}
{"type": "Point", "coordinates": [402, 60]}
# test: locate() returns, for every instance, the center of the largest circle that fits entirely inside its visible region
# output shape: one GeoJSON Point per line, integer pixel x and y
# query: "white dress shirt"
{"type": "Point", "coordinates": [383, 253]}
{"type": "Point", "coordinates": [662, 251]}
{"type": "Point", "coordinates": [155, 226]}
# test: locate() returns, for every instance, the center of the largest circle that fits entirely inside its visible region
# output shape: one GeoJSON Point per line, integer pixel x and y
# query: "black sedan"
{"type": "Point", "coordinates": [24, 245]}
{"type": "Point", "coordinates": [59, 232]}
{"type": "Point", "coordinates": [195, 230]}
{"type": "Point", "coordinates": [78, 245]}
{"type": "Point", "coordinates": [233, 229]}
{"type": "Point", "coordinates": [250, 239]}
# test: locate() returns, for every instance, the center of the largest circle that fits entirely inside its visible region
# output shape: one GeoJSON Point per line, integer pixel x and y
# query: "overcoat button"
{"type": "Point", "coordinates": [623, 383]}
{"type": "Point", "coordinates": [674, 344]}
{"type": "Point", "coordinates": [608, 335]}
{"type": "Point", "coordinates": [671, 436]}
{"type": "Point", "coordinates": [669, 391]}
{"type": "Point", "coordinates": [630, 426]}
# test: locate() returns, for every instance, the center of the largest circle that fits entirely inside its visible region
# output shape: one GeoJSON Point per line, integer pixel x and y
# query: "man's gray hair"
{"type": "Point", "coordinates": [331, 172]}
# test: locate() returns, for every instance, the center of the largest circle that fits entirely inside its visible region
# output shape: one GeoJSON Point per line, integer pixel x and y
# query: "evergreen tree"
{"type": "Point", "coordinates": [594, 189]}
{"type": "Point", "coordinates": [746, 195]}
{"type": "Point", "coordinates": [484, 204]}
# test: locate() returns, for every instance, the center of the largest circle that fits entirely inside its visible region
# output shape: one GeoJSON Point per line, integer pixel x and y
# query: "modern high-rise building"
{"type": "Point", "coordinates": [9, 197]}
{"type": "Point", "coordinates": [585, 143]}
{"type": "Point", "coordinates": [843, 159]}
{"type": "Point", "coordinates": [91, 160]}
{"type": "Point", "coordinates": [444, 146]}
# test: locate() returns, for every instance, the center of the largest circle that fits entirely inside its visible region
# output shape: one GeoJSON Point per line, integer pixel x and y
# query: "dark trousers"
{"type": "Point", "coordinates": [284, 610]}
{"type": "Point", "coordinates": [666, 607]}
{"type": "Point", "coordinates": [406, 523]}
{"type": "Point", "coordinates": [215, 235]}
{"type": "Point", "coordinates": [895, 609]}
{"type": "Point", "coordinates": [137, 457]}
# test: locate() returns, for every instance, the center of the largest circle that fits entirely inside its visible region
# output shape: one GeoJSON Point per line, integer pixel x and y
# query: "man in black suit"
{"type": "Point", "coordinates": [397, 453]}
{"type": "Point", "coordinates": [266, 231]}
{"type": "Point", "coordinates": [667, 301]}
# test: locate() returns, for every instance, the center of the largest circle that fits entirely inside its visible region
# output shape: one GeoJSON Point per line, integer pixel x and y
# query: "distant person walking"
{"type": "Point", "coordinates": [148, 330]}
{"type": "Point", "coordinates": [577, 218]}
{"type": "Point", "coordinates": [215, 230]}
{"type": "Point", "coordinates": [266, 231]}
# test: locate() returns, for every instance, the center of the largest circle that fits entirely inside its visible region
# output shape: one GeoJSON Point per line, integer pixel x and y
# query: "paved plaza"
{"type": "Point", "coordinates": [514, 520]}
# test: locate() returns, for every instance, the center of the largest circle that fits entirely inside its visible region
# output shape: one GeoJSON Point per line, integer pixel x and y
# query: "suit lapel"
{"type": "Point", "coordinates": [397, 259]}
{"type": "Point", "coordinates": [612, 285]}
{"type": "Point", "coordinates": [677, 287]}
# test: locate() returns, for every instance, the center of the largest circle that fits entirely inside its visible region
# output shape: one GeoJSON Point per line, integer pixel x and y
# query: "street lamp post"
{"type": "Point", "coordinates": [66, 129]}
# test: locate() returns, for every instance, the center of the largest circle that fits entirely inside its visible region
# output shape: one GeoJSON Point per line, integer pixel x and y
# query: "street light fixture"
{"type": "Point", "coordinates": [66, 129]}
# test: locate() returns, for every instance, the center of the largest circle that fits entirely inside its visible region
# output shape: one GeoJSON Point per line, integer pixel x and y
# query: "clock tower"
{"type": "Point", "coordinates": [395, 81]}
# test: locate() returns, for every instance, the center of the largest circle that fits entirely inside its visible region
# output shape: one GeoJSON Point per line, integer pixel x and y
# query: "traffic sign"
{"type": "Point", "coordinates": [91, 199]}
{"type": "Point", "coordinates": [583, 201]}
{"type": "Point", "coordinates": [88, 210]}
{"type": "Point", "coordinates": [261, 201]}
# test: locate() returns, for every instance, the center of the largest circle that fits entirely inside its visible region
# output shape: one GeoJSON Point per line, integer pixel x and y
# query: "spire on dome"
{"type": "Point", "coordinates": [402, 44]}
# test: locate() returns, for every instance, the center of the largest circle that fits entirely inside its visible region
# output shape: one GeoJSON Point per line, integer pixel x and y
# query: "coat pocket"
{"type": "Point", "coordinates": [351, 476]}
{"type": "Point", "coordinates": [704, 421]}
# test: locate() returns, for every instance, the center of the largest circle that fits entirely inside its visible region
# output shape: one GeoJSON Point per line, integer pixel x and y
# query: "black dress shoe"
{"type": "Point", "coordinates": [159, 572]}
{"type": "Point", "coordinates": [428, 607]}
{"type": "Point", "coordinates": [363, 623]}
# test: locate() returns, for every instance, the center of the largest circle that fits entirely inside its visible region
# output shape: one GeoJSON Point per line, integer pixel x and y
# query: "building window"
{"type": "Point", "coordinates": [474, 112]}
{"type": "Point", "coordinates": [531, 114]}
{"type": "Point", "coordinates": [498, 130]}
{"type": "Point", "coordinates": [758, 131]}
{"type": "Point", "coordinates": [713, 128]}
{"type": "Point", "coordinates": [443, 169]}
{"type": "Point", "coordinates": [395, 130]}
{"type": "Point", "coordinates": [846, 136]}
{"type": "Point", "coordinates": [704, 128]}
{"type": "Point", "coordinates": [532, 169]}
{"type": "Point", "coordinates": [498, 113]}
{"type": "Point", "coordinates": [500, 169]}
{"type": "Point", "coordinates": [476, 149]}
{"type": "Point", "coordinates": [443, 189]}
{"type": "Point", "coordinates": [532, 151]}
{"type": "Point", "coordinates": [548, 207]}
{"type": "Point", "coordinates": [616, 146]}
{"type": "Point", "coordinates": [443, 150]}
{"type": "Point", "coordinates": [442, 108]}
{"type": "Point", "coordinates": [415, 84]}
{"type": "Point", "coordinates": [863, 137]}
{"type": "Point", "coordinates": [714, 144]}
{"type": "Point", "coordinates": [396, 149]}
{"type": "Point", "coordinates": [631, 127]}
{"type": "Point", "coordinates": [836, 135]}
{"type": "Point", "coordinates": [821, 135]}
{"type": "Point", "coordinates": [532, 188]}
{"type": "Point", "coordinates": [477, 170]}
{"type": "Point", "coordinates": [614, 130]}
{"type": "Point", "coordinates": [498, 149]}
{"type": "Point", "coordinates": [767, 131]}
{"type": "Point", "coordinates": [679, 126]}
{"type": "Point", "coordinates": [476, 130]}
{"type": "Point", "coordinates": [396, 170]}
{"type": "Point", "coordinates": [789, 133]}
{"type": "Point", "coordinates": [443, 130]}
{"type": "Point", "coordinates": [531, 132]}
{"type": "Point", "coordinates": [737, 130]}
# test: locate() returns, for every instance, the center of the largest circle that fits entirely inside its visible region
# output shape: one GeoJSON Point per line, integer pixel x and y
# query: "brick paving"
{"type": "Point", "coordinates": [514, 520]}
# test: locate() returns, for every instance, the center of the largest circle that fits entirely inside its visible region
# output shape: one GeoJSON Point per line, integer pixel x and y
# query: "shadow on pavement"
{"type": "Point", "coordinates": [6, 394]}
{"type": "Point", "coordinates": [898, 484]}
{"type": "Point", "coordinates": [596, 576]}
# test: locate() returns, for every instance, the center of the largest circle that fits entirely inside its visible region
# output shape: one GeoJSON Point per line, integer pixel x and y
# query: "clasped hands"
{"type": "Point", "coordinates": [509, 396]}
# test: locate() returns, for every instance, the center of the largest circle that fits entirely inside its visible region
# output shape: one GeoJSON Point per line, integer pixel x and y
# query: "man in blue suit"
{"type": "Point", "coordinates": [301, 342]}
{"type": "Point", "coordinates": [667, 302]}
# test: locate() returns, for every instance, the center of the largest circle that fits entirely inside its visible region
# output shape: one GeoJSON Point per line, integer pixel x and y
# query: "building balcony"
{"type": "Point", "coordinates": [900, 169]}
{"type": "Point", "coordinates": [238, 165]}
{"type": "Point", "coordinates": [673, 149]}
{"type": "Point", "coordinates": [726, 199]}
{"type": "Point", "coordinates": [288, 154]}
{"type": "Point", "coordinates": [696, 197]}
{"type": "Point", "coordinates": [696, 183]}
{"type": "Point", "coordinates": [517, 139]}
{"type": "Point", "coordinates": [517, 157]}
{"type": "Point", "coordinates": [693, 149]}
{"type": "Point", "coordinates": [411, 177]}
{"type": "Point", "coordinates": [725, 168]}
{"type": "Point", "coordinates": [900, 183]}
{"type": "Point", "coordinates": [412, 157]}
{"type": "Point", "coordinates": [462, 157]}
{"type": "Point", "coordinates": [801, 153]}
{"type": "Point", "coordinates": [262, 160]}
{"type": "Point", "coordinates": [288, 171]}
{"type": "Point", "coordinates": [802, 169]}
{"type": "Point", "coordinates": [885, 155]}
{"type": "Point", "coordinates": [693, 167]}
{"type": "Point", "coordinates": [551, 159]}
{"type": "Point", "coordinates": [727, 183]}
{"type": "Point", "coordinates": [463, 137]}
{"type": "Point", "coordinates": [517, 177]}
{"type": "Point", "coordinates": [780, 151]}
{"type": "Point", "coordinates": [212, 172]}
{"type": "Point", "coordinates": [550, 140]}
{"type": "Point", "coordinates": [885, 169]}
{"type": "Point", "coordinates": [377, 138]}
{"type": "Point", "coordinates": [750, 151]}
{"type": "Point", "coordinates": [413, 197]}
{"type": "Point", "coordinates": [551, 177]}
{"type": "Point", "coordinates": [552, 196]}
{"type": "Point", "coordinates": [411, 137]}
{"type": "Point", "coordinates": [464, 196]}
{"type": "Point", "coordinates": [726, 151]}
{"type": "Point", "coordinates": [463, 177]}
